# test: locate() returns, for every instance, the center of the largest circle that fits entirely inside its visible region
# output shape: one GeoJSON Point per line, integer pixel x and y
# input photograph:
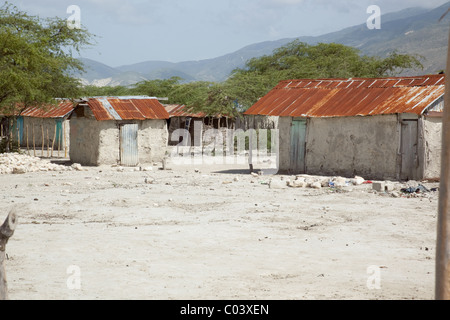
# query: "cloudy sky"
{"type": "Point", "coordinates": [131, 31]}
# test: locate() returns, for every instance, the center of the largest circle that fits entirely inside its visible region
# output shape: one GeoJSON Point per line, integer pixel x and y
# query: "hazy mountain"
{"type": "Point", "coordinates": [413, 31]}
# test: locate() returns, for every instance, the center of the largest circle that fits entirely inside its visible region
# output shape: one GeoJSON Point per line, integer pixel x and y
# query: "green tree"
{"type": "Point", "coordinates": [191, 94]}
{"type": "Point", "coordinates": [94, 91]}
{"type": "Point", "coordinates": [298, 60]}
{"type": "Point", "coordinates": [161, 88]}
{"type": "Point", "coordinates": [36, 58]}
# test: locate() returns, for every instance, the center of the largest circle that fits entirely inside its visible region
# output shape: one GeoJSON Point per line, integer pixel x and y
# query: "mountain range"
{"type": "Point", "coordinates": [416, 31]}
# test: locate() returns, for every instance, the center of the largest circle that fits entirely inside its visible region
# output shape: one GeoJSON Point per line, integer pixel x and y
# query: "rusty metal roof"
{"type": "Point", "coordinates": [126, 108]}
{"type": "Point", "coordinates": [180, 110]}
{"type": "Point", "coordinates": [61, 110]}
{"type": "Point", "coordinates": [64, 108]}
{"type": "Point", "coordinates": [351, 97]}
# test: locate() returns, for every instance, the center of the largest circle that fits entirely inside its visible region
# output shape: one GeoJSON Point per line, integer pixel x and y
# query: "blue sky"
{"type": "Point", "coordinates": [132, 31]}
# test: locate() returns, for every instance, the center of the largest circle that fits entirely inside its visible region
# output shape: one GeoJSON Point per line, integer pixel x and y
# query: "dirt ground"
{"type": "Point", "coordinates": [213, 233]}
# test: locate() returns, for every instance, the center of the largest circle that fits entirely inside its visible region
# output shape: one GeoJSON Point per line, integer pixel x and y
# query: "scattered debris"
{"type": "Point", "coordinates": [419, 189]}
{"type": "Point", "coordinates": [383, 186]}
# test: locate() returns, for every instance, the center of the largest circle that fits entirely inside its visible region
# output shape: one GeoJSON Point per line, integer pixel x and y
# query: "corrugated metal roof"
{"type": "Point", "coordinates": [179, 110]}
{"type": "Point", "coordinates": [351, 97]}
{"type": "Point", "coordinates": [63, 109]}
{"type": "Point", "coordinates": [126, 108]}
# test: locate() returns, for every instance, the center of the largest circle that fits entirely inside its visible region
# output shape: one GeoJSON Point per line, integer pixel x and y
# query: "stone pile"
{"type": "Point", "coordinates": [15, 163]}
{"type": "Point", "coordinates": [315, 182]}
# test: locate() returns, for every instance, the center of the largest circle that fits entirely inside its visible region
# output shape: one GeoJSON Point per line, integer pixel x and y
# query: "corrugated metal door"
{"type": "Point", "coordinates": [409, 150]}
{"type": "Point", "coordinates": [129, 156]}
{"type": "Point", "coordinates": [58, 135]}
{"type": "Point", "coordinates": [298, 146]}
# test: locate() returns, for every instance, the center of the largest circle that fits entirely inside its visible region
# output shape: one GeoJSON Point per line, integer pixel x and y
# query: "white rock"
{"type": "Point", "coordinates": [297, 184]}
{"type": "Point", "coordinates": [19, 170]}
{"type": "Point", "coordinates": [316, 185]}
{"type": "Point", "coordinates": [277, 184]}
{"type": "Point", "coordinates": [77, 167]}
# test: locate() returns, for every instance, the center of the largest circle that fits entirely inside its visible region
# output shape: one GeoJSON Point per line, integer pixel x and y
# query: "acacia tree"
{"type": "Point", "coordinates": [36, 58]}
{"type": "Point", "coordinates": [298, 60]}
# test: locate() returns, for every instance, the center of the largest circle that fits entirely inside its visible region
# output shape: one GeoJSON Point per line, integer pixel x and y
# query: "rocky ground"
{"type": "Point", "coordinates": [214, 232]}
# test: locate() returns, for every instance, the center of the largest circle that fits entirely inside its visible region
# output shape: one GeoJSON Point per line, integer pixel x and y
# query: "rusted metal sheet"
{"type": "Point", "coordinates": [61, 110]}
{"type": "Point", "coordinates": [129, 154]}
{"type": "Point", "coordinates": [351, 97]}
{"type": "Point", "coordinates": [180, 110]}
{"type": "Point", "coordinates": [126, 108]}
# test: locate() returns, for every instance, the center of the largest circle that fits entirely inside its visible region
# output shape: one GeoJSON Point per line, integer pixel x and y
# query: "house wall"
{"type": "Point", "coordinates": [153, 139]}
{"type": "Point", "coordinates": [84, 141]}
{"type": "Point", "coordinates": [349, 146]}
{"type": "Point", "coordinates": [284, 158]}
{"type": "Point", "coordinates": [432, 127]}
{"type": "Point", "coordinates": [109, 143]}
{"type": "Point", "coordinates": [97, 143]}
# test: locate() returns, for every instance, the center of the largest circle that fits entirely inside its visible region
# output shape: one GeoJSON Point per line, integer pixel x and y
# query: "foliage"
{"type": "Point", "coordinates": [36, 59]}
{"type": "Point", "coordinates": [299, 60]}
{"type": "Point", "coordinates": [94, 91]}
{"type": "Point", "coordinates": [155, 88]}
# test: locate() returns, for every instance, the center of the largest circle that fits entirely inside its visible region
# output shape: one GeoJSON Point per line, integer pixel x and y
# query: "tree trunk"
{"type": "Point", "coordinates": [6, 232]}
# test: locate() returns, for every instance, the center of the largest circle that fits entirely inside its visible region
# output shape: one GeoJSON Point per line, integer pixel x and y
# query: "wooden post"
{"type": "Point", "coordinates": [59, 142]}
{"type": "Point", "coordinates": [10, 135]}
{"type": "Point", "coordinates": [48, 145]}
{"type": "Point", "coordinates": [65, 144]}
{"type": "Point", "coordinates": [54, 138]}
{"type": "Point", "coordinates": [6, 232]}
{"type": "Point", "coordinates": [443, 230]}
{"type": "Point", "coordinates": [28, 149]}
{"type": "Point", "coordinates": [34, 142]}
{"type": "Point", "coordinates": [43, 140]}
{"type": "Point", "coordinates": [18, 136]}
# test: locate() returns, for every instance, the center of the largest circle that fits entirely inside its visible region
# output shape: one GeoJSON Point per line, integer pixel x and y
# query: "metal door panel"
{"type": "Point", "coordinates": [409, 151]}
{"type": "Point", "coordinates": [129, 156]}
{"type": "Point", "coordinates": [298, 146]}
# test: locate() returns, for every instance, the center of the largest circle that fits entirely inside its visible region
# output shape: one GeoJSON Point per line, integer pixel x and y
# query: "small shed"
{"type": "Point", "coordinates": [182, 118]}
{"type": "Point", "coordinates": [45, 126]}
{"type": "Point", "coordinates": [378, 128]}
{"type": "Point", "coordinates": [118, 130]}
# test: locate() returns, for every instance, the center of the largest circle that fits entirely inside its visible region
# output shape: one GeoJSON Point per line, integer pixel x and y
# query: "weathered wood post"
{"type": "Point", "coordinates": [6, 232]}
{"type": "Point", "coordinates": [442, 286]}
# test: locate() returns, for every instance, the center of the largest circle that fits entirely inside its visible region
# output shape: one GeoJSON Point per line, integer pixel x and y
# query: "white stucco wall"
{"type": "Point", "coordinates": [97, 142]}
{"type": "Point", "coordinates": [433, 147]}
{"type": "Point", "coordinates": [109, 145]}
{"type": "Point", "coordinates": [284, 158]}
{"type": "Point", "coordinates": [84, 141]}
{"type": "Point", "coordinates": [153, 141]}
{"type": "Point", "coordinates": [349, 146]}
